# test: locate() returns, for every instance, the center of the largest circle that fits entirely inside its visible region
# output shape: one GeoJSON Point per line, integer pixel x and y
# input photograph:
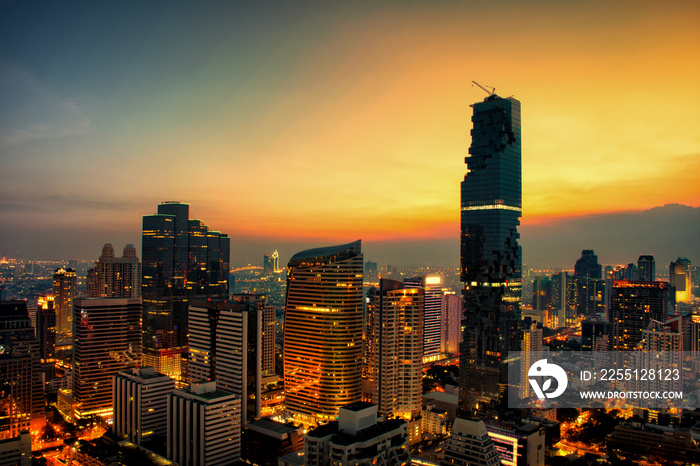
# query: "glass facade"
{"type": "Point", "coordinates": [491, 206]}
{"type": "Point", "coordinates": [323, 331]}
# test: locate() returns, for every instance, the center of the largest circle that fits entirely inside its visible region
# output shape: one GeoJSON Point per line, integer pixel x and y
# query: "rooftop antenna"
{"type": "Point", "coordinates": [484, 88]}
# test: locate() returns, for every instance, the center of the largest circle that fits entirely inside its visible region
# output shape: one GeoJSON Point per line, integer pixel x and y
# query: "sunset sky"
{"type": "Point", "coordinates": [321, 122]}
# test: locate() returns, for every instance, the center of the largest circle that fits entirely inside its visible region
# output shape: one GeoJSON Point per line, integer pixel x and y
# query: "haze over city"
{"type": "Point", "coordinates": [292, 125]}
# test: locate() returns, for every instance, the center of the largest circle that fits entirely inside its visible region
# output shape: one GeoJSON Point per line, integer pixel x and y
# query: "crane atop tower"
{"type": "Point", "coordinates": [484, 88]}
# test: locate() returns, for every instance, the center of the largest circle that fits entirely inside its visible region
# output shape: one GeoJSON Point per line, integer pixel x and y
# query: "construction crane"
{"type": "Point", "coordinates": [491, 92]}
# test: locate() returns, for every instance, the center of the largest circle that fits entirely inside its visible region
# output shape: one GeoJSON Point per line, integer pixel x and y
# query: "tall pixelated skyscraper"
{"type": "Point", "coordinates": [115, 277]}
{"type": "Point", "coordinates": [323, 331]}
{"type": "Point", "coordinates": [64, 280]}
{"type": "Point", "coordinates": [182, 260]}
{"type": "Point", "coordinates": [491, 207]}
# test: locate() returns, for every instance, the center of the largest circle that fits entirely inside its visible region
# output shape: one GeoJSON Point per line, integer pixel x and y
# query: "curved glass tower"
{"type": "Point", "coordinates": [490, 255]}
{"type": "Point", "coordinates": [323, 331]}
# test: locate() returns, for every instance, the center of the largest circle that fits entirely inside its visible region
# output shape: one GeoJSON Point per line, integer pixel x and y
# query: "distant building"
{"type": "Point", "coordinates": [452, 312]}
{"type": "Point", "coordinates": [562, 311]}
{"type": "Point", "coordinates": [358, 438]}
{"type": "Point", "coordinates": [203, 426]}
{"type": "Point", "coordinates": [672, 444]}
{"type": "Point", "coordinates": [633, 306]}
{"type": "Point", "coordinates": [64, 290]}
{"type": "Point", "coordinates": [681, 280]}
{"type": "Point", "coordinates": [594, 335]}
{"type": "Point", "coordinates": [432, 314]}
{"type": "Point", "coordinates": [140, 400]}
{"type": "Point", "coordinates": [115, 277]}
{"type": "Point", "coordinates": [647, 268]}
{"type": "Point", "coordinates": [588, 266]}
{"type": "Point", "coordinates": [470, 445]}
{"type": "Point", "coordinates": [267, 265]}
{"type": "Point", "coordinates": [46, 327]}
{"type": "Point", "coordinates": [394, 348]}
{"type": "Point", "coordinates": [541, 293]}
{"type": "Point", "coordinates": [323, 331]}
{"type": "Point", "coordinates": [107, 341]}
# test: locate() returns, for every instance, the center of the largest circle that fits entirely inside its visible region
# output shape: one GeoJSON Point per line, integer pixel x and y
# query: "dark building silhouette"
{"type": "Point", "coordinates": [647, 268]}
{"type": "Point", "coordinates": [541, 293]}
{"type": "Point", "coordinates": [588, 266]}
{"type": "Point", "coordinates": [182, 260]}
{"type": "Point", "coordinates": [491, 207]}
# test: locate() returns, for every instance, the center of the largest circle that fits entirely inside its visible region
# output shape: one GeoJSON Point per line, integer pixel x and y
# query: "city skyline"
{"type": "Point", "coordinates": [109, 110]}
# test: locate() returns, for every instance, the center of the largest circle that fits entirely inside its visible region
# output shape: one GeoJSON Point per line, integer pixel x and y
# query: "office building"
{"type": "Point", "coordinates": [394, 348]}
{"type": "Point", "coordinates": [594, 335]}
{"type": "Point", "coordinates": [21, 396]}
{"type": "Point", "coordinates": [107, 341]}
{"type": "Point", "coordinates": [518, 443]}
{"type": "Point", "coordinates": [182, 259]}
{"type": "Point", "coordinates": [647, 268]}
{"type": "Point", "coordinates": [542, 293]}
{"type": "Point", "coordinates": [203, 426]}
{"type": "Point", "coordinates": [226, 344]}
{"type": "Point", "coordinates": [531, 352]}
{"type": "Point", "coordinates": [46, 328]}
{"type": "Point", "coordinates": [633, 306]}
{"type": "Point", "coordinates": [358, 438]}
{"type": "Point", "coordinates": [265, 440]}
{"type": "Point", "coordinates": [452, 312]}
{"type": "Point", "coordinates": [588, 266]}
{"type": "Point", "coordinates": [64, 280]}
{"type": "Point", "coordinates": [561, 314]}
{"type": "Point", "coordinates": [470, 445]}
{"type": "Point", "coordinates": [16, 451]}
{"type": "Point", "coordinates": [323, 331]}
{"type": "Point", "coordinates": [680, 279]}
{"type": "Point", "coordinates": [260, 302]}
{"type": "Point", "coordinates": [140, 401]}
{"type": "Point", "coordinates": [115, 277]}
{"type": "Point", "coordinates": [491, 207]}
{"type": "Point", "coordinates": [432, 316]}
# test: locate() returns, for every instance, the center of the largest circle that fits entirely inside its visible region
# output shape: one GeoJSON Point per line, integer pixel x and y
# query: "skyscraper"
{"type": "Point", "coordinates": [226, 346]}
{"type": "Point", "coordinates": [432, 319]}
{"type": "Point", "coordinates": [21, 393]}
{"type": "Point", "coordinates": [115, 277]}
{"type": "Point", "coordinates": [64, 291]}
{"type": "Point", "coordinates": [182, 260]}
{"type": "Point", "coordinates": [323, 331]}
{"type": "Point", "coordinates": [107, 340]}
{"type": "Point", "coordinates": [633, 306]}
{"type": "Point", "coordinates": [647, 268]}
{"type": "Point", "coordinates": [394, 348]}
{"type": "Point", "coordinates": [491, 206]}
{"type": "Point", "coordinates": [679, 272]}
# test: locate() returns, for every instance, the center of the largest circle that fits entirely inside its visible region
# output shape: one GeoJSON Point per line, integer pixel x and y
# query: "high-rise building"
{"type": "Point", "coordinates": [204, 426]}
{"type": "Point", "coordinates": [323, 331]}
{"type": "Point", "coordinates": [21, 395]}
{"type": "Point", "coordinates": [679, 272]}
{"type": "Point", "coordinates": [452, 312]}
{"type": "Point", "coordinates": [226, 345]}
{"type": "Point", "coordinates": [267, 264]}
{"type": "Point", "coordinates": [182, 260]}
{"type": "Point", "coordinates": [647, 268]}
{"type": "Point", "coordinates": [46, 327]}
{"type": "Point", "coordinates": [588, 266]}
{"type": "Point", "coordinates": [140, 400]}
{"type": "Point", "coordinates": [561, 314]}
{"type": "Point", "coordinates": [107, 340]}
{"type": "Point", "coordinates": [432, 316]}
{"type": "Point", "coordinates": [115, 277]}
{"type": "Point", "coordinates": [260, 302]}
{"type": "Point", "coordinates": [491, 206]}
{"type": "Point", "coordinates": [64, 280]}
{"type": "Point", "coordinates": [394, 348]}
{"type": "Point", "coordinates": [532, 351]}
{"type": "Point", "coordinates": [633, 306]}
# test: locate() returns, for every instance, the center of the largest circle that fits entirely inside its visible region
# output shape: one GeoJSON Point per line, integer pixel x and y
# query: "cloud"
{"type": "Point", "coordinates": [33, 111]}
